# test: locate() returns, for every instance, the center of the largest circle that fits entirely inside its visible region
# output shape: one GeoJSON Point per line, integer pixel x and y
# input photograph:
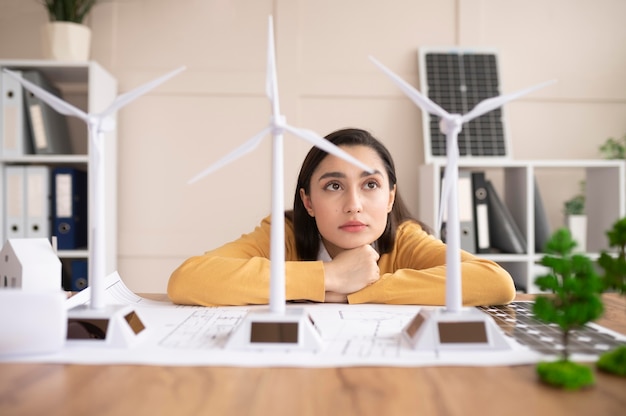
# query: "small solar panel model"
{"type": "Point", "coordinates": [458, 79]}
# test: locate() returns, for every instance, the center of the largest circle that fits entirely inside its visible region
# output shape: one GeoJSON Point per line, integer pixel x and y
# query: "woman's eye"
{"type": "Point", "coordinates": [333, 186]}
{"type": "Point", "coordinates": [371, 185]}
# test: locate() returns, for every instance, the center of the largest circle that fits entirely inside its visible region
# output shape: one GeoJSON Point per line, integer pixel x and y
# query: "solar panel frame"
{"type": "Point", "coordinates": [457, 79]}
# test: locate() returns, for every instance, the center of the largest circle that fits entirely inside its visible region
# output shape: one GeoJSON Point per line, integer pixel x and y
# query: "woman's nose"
{"type": "Point", "coordinates": [353, 202]}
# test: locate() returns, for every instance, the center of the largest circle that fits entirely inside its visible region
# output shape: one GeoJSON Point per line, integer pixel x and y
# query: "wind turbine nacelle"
{"type": "Point", "coordinates": [108, 124]}
{"type": "Point", "coordinates": [449, 125]}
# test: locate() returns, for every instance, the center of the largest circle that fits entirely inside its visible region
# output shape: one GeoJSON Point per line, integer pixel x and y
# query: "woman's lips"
{"type": "Point", "coordinates": [352, 226]}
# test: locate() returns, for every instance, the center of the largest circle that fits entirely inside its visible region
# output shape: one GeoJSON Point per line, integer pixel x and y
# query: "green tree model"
{"type": "Point", "coordinates": [614, 278]}
{"type": "Point", "coordinates": [574, 301]}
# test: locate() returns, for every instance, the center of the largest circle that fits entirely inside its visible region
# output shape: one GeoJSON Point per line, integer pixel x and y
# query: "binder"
{"type": "Point", "coordinates": [69, 208]}
{"type": "Point", "coordinates": [481, 212]}
{"type": "Point", "coordinates": [14, 202]}
{"type": "Point", "coordinates": [14, 132]}
{"type": "Point", "coordinates": [466, 213]}
{"type": "Point", "coordinates": [542, 226]}
{"type": "Point", "coordinates": [504, 233]}
{"type": "Point", "coordinates": [27, 202]}
{"type": "Point", "coordinates": [75, 279]}
{"type": "Point", "coordinates": [37, 209]}
{"type": "Point", "coordinates": [48, 128]}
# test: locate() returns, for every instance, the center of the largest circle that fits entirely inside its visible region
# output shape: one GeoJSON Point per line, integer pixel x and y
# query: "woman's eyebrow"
{"type": "Point", "coordinates": [342, 175]}
{"type": "Point", "coordinates": [332, 175]}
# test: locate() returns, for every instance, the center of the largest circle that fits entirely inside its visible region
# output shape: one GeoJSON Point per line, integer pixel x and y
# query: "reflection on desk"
{"type": "Point", "coordinates": [518, 321]}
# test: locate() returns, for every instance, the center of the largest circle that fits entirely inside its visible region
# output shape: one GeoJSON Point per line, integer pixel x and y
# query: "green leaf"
{"type": "Point", "coordinates": [68, 10]}
{"type": "Point", "coordinates": [614, 264]}
{"type": "Point", "coordinates": [565, 374]}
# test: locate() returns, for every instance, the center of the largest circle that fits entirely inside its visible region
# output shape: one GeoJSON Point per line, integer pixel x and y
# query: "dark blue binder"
{"type": "Point", "coordinates": [78, 275]}
{"type": "Point", "coordinates": [69, 208]}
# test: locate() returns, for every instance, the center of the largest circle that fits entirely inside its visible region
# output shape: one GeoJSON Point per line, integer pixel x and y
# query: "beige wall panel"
{"type": "Point", "coordinates": [581, 43]}
{"type": "Point", "coordinates": [20, 25]}
{"type": "Point", "coordinates": [337, 36]}
{"type": "Point", "coordinates": [209, 35]}
{"type": "Point", "coordinates": [563, 130]}
{"type": "Point", "coordinates": [160, 214]}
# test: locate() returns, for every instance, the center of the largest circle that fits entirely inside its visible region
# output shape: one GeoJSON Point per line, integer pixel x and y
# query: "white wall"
{"type": "Point", "coordinates": [326, 82]}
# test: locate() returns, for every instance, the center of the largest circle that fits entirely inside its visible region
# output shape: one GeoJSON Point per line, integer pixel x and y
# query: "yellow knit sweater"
{"type": "Point", "coordinates": [238, 273]}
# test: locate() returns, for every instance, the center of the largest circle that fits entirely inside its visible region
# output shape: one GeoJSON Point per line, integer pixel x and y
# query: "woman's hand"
{"type": "Point", "coordinates": [351, 270]}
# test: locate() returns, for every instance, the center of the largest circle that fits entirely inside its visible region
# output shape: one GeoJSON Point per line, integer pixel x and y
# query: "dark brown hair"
{"type": "Point", "coordinates": [306, 232]}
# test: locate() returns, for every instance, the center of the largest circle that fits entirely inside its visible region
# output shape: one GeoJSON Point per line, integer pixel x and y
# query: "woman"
{"type": "Point", "coordinates": [349, 238]}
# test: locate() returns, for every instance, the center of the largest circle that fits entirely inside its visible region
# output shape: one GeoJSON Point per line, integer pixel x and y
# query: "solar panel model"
{"type": "Point", "coordinates": [457, 80]}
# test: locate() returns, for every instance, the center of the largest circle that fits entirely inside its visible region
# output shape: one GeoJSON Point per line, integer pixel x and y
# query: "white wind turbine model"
{"type": "Point", "coordinates": [122, 330]}
{"type": "Point", "coordinates": [455, 327]}
{"type": "Point", "coordinates": [280, 328]}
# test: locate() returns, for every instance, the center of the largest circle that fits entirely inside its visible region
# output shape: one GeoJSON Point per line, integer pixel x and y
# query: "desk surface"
{"type": "Point", "coordinates": [58, 389]}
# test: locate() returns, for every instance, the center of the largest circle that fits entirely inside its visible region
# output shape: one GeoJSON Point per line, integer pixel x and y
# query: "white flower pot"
{"type": "Point", "coordinates": [577, 226]}
{"type": "Point", "coordinates": [66, 41]}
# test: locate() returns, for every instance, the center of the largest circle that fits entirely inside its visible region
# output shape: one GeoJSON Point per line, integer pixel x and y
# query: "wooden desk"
{"type": "Point", "coordinates": [55, 389]}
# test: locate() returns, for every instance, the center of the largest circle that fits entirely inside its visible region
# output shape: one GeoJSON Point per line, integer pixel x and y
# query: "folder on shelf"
{"type": "Point", "coordinates": [481, 212]}
{"type": "Point", "coordinates": [48, 128]}
{"type": "Point", "coordinates": [14, 202]}
{"type": "Point", "coordinates": [14, 132]}
{"type": "Point", "coordinates": [504, 233]}
{"type": "Point", "coordinates": [69, 208]}
{"type": "Point", "coordinates": [37, 210]}
{"type": "Point", "coordinates": [466, 213]}
{"type": "Point", "coordinates": [542, 226]}
{"type": "Point", "coordinates": [75, 279]}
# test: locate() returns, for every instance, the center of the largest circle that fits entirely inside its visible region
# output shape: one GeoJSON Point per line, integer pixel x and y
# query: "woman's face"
{"type": "Point", "coordinates": [350, 205]}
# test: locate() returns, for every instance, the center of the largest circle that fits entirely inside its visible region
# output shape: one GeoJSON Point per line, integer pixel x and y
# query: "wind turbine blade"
{"type": "Point", "coordinates": [247, 147]}
{"type": "Point", "coordinates": [418, 98]}
{"type": "Point", "coordinates": [490, 104]}
{"type": "Point", "coordinates": [271, 79]}
{"type": "Point", "coordinates": [129, 96]}
{"type": "Point", "coordinates": [327, 146]}
{"type": "Point", "coordinates": [52, 100]}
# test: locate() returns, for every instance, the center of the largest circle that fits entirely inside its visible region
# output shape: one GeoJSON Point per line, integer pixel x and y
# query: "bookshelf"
{"type": "Point", "coordinates": [605, 203]}
{"type": "Point", "coordinates": [88, 86]}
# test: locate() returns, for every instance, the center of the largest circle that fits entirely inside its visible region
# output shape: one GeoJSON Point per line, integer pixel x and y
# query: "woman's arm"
{"type": "Point", "coordinates": [415, 273]}
{"type": "Point", "coordinates": [238, 273]}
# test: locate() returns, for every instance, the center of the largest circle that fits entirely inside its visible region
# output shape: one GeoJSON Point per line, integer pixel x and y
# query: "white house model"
{"type": "Point", "coordinates": [30, 264]}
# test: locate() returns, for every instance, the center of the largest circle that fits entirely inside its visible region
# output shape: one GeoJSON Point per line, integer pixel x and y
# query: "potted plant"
{"type": "Point", "coordinates": [575, 218]}
{"type": "Point", "coordinates": [575, 300]}
{"type": "Point", "coordinates": [614, 148]}
{"type": "Point", "coordinates": [614, 278]}
{"type": "Point", "coordinates": [65, 37]}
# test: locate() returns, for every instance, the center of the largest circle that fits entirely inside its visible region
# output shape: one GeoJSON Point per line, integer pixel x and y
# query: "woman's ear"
{"type": "Point", "coordinates": [392, 198]}
{"type": "Point", "coordinates": [306, 201]}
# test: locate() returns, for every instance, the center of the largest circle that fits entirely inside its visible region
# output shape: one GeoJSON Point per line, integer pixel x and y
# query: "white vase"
{"type": "Point", "coordinates": [66, 41]}
{"type": "Point", "coordinates": [577, 226]}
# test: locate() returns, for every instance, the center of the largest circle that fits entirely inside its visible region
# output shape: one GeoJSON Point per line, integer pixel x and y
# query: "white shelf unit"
{"type": "Point", "coordinates": [605, 203]}
{"type": "Point", "coordinates": [91, 88]}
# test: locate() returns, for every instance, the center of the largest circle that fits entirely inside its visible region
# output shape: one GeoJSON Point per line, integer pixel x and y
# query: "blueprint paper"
{"type": "Point", "coordinates": [353, 335]}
